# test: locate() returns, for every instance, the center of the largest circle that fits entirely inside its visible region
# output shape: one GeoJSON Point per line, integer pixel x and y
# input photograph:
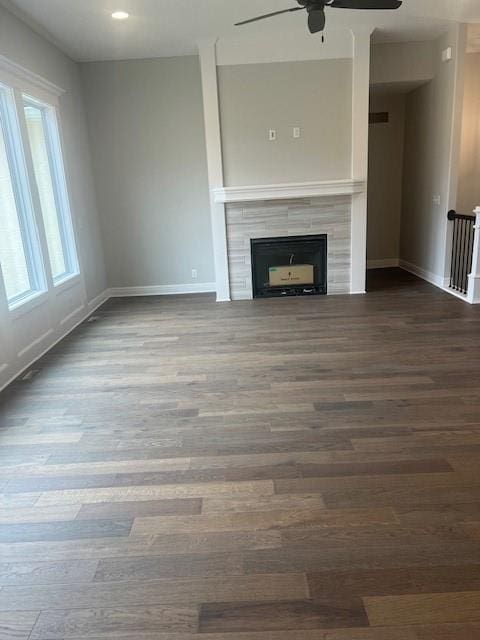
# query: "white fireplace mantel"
{"type": "Point", "coordinates": [288, 191]}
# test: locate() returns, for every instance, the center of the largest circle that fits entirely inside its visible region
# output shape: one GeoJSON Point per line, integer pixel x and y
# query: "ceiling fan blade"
{"type": "Point", "coordinates": [365, 4]}
{"type": "Point", "coordinates": [316, 20]}
{"type": "Point", "coordinates": [269, 15]}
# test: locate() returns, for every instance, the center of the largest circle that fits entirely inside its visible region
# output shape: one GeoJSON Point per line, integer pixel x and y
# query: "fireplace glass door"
{"type": "Point", "coordinates": [291, 266]}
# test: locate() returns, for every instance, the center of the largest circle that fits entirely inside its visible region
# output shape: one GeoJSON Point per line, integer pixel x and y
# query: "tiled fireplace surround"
{"type": "Point", "coordinates": [281, 218]}
{"type": "Point", "coordinates": [336, 208]}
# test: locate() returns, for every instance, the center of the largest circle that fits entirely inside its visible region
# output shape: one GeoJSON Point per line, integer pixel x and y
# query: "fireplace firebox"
{"type": "Point", "coordinates": [292, 266]}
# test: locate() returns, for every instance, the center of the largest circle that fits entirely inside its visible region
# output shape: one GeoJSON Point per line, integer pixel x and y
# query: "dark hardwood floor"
{"type": "Point", "coordinates": [295, 469]}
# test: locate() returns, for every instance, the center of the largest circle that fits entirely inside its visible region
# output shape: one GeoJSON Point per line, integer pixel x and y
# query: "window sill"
{"type": "Point", "coordinates": [28, 303]}
{"type": "Point", "coordinates": [66, 282]}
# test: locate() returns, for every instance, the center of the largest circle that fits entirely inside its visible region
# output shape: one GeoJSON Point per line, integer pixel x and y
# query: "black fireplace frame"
{"type": "Point", "coordinates": [320, 287]}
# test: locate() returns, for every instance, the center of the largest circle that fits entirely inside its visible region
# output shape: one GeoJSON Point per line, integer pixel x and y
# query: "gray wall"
{"type": "Point", "coordinates": [407, 62]}
{"type": "Point", "coordinates": [469, 175]}
{"type": "Point", "coordinates": [25, 47]}
{"type": "Point", "coordinates": [313, 95]}
{"type": "Point", "coordinates": [24, 337]}
{"type": "Point", "coordinates": [428, 143]}
{"type": "Point", "coordinates": [147, 136]}
{"type": "Point", "coordinates": [385, 169]}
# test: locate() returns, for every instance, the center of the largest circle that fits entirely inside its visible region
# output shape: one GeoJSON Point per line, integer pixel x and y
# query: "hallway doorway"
{"type": "Point", "coordinates": [393, 147]}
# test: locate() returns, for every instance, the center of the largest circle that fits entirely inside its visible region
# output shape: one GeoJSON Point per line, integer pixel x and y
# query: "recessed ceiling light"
{"type": "Point", "coordinates": [120, 15]}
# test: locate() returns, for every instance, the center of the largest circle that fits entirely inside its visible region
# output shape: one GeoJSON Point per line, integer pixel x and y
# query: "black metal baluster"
{"type": "Point", "coordinates": [471, 238]}
{"type": "Point", "coordinates": [463, 237]}
{"type": "Point", "coordinates": [463, 256]}
{"type": "Point", "coordinates": [453, 254]}
{"type": "Point", "coordinates": [457, 251]}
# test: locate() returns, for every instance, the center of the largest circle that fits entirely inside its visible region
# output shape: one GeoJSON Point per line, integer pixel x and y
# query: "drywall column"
{"type": "Point", "coordinates": [473, 294]}
{"type": "Point", "coordinates": [361, 86]}
{"type": "Point", "coordinates": [459, 39]}
{"type": "Point", "coordinates": [208, 63]}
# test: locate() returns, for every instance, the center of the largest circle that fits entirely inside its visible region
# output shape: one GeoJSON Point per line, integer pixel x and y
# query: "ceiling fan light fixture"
{"type": "Point", "coordinates": [120, 15]}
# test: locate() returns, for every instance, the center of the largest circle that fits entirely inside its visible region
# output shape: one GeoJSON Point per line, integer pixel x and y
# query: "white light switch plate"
{"type": "Point", "coordinates": [447, 55]}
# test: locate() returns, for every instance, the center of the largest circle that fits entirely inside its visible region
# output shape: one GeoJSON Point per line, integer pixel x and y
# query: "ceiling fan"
{"type": "Point", "coordinates": [316, 10]}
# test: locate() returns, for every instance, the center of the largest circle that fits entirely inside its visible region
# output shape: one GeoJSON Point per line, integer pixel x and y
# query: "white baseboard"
{"type": "Point", "coordinates": [387, 263]}
{"type": "Point", "coordinates": [91, 306]}
{"type": "Point", "coordinates": [163, 290]}
{"type": "Point", "coordinates": [88, 309]}
{"type": "Point", "coordinates": [457, 294]}
{"type": "Point", "coordinates": [430, 277]}
{"type": "Point", "coordinates": [99, 300]}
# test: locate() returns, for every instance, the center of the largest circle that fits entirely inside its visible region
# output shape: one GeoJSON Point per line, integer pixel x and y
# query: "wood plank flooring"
{"type": "Point", "coordinates": [300, 469]}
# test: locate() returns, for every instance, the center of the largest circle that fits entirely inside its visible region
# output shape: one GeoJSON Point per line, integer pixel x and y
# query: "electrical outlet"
{"type": "Point", "coordinates": [437, 201]}
{"type": "Point", "coordinates": [272, 135]}
{"type": "Point", "coordinates": [194, 274]}
{"type": "Point", "coordinates": [296, 132]}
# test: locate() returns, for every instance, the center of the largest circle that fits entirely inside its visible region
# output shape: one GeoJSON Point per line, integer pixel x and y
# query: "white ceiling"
{"type": "Point", "coordinates": [85, 30]}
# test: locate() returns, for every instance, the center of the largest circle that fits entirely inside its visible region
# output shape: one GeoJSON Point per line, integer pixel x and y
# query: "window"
{"type": "Point", "coordinates": [46, 155]}
{"type": "Point", "coordinates": [19, 247]}
{"type": "Point", "coordinates": [35, 222]}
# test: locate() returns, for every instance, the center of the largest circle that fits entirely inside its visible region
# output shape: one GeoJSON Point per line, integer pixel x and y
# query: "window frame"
{"type": "Point", "coordinates": [51, 129]}
{"type": "Point", "coordinates": [25, 210]}
{"type": "Point", "coordinates": [19, 81]}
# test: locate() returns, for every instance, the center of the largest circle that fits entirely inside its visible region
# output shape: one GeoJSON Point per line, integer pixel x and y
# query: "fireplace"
{"type": "Point", "coordinates": [290, 266]}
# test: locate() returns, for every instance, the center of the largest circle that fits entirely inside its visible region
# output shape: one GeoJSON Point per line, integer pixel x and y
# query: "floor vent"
{"type": "Point", "coordinates": [30, 375]}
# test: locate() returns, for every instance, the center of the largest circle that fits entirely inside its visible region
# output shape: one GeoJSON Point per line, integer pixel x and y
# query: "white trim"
{"type": "Point", "coordinates": [213, 139]}
{"type": "Point", "coordinates": [36, 342]}
{"type": "Point", "coordinates": [455, 141]}
{"type": "Point", "coordinates": [72, 280]}
{"type": "Point", "coordinates": [457, 294]}
{"type": "Point", "coordinates": [98, 300]}
{"type": "Point", "coordinates": [432, 278]}
{"type": "Point", "coordinates": [162, 290]}
{"type": "Point", "coordinates": [26, 305]}
{"type": "Point", "coordinates": [89, 309]}
{"type": "Point", "coordinates": [473, 294]}
{"type": "Point", "coordinates": [288, 191]}
{"type": "Point", "coordinates": [360, 100]}
{"type": "Point", "coordinates": [21, 78]}
{"type": "Point", "coordinates": [359, 161]}
{"type": "Point", "coordinates": [72, 315]}
{"type": "Point", "coordinates": [428, 276]}
{"type": "Point", "coordinates": [387, 263]}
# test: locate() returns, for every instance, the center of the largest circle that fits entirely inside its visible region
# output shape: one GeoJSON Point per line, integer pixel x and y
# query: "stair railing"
{"type": "Point", "coordinates": [464, 238]}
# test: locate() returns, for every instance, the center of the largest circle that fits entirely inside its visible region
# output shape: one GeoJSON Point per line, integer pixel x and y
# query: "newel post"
{"type": "Point", "coordinates": [473, 294]}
